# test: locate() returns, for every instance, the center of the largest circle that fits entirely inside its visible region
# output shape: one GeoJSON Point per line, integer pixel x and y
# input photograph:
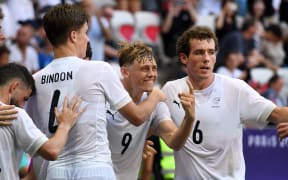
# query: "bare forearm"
{"type": "Point", "coordinates": [110, 51]}
{"type": "Point", "coordinates": [106, 32]}
{"type": "Point", "coordinates": [193, 14]}
{"type": "Point", "coordinates": [279, 115]}
{"type": "Point", "coordinates": [167, 23]}
{"type": "Point", "coordinates": [178, 139]}
{"type": "Point", "coordinates": [146, 108]}
{"type": "Point", "coordinates": [52, 148]}
{"type": "Point", "coordinates": [220, 21]}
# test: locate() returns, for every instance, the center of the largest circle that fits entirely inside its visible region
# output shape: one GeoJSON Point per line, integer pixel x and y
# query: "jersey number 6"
{"type": "Point", "coordinates": [197, 134]}
{"type": "Point", "coordinates": [55, 99]}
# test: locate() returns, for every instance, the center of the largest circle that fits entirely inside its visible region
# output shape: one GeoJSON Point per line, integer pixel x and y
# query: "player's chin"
{"type": "Point", "coordinates": [148, 88]}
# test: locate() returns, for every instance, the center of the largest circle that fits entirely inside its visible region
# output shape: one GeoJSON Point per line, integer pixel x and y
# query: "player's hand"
{"type": "Point", "coordinates": [187, 100]}
{"type": "Point", "coordinates": [158, 94]}
{"type": "Point", "coordinates": [148, 150]}
{"type": "Point", "coordinates": [282, 130]}
{"type": "Point", "coordinates": [70, 113]}
{"type": "Point", "coordinates": [8, 113]}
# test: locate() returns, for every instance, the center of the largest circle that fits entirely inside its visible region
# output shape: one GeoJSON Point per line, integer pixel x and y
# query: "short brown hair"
{"type": "Point", "coordinates": [130, 52]}
{"type": "Point", "coordinates": [198, 33]}
{"type": "Point", "coordinates": [61, 19]}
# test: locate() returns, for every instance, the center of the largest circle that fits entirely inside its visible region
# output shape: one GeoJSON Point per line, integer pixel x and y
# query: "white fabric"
{"type": "Point", "coordinates": [214, 148]}
{"type": "Point", "coordinates": [21, 136]}
{"type": "Point", "coordinates": [30, 61]}
{"type": "Point", "coordinates": [127, 141]}
{"type": "Point", "coordinates": [97, 84]}
{"type": "Point", "coordinates": [104, 171]}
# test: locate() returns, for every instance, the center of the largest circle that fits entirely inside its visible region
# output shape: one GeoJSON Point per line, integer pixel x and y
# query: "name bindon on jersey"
{"type": "Point", "coordinates": [56, 77]}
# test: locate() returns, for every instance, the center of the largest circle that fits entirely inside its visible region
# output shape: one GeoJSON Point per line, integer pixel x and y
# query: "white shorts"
{"type": "Point", "coordinates": [99, 171]}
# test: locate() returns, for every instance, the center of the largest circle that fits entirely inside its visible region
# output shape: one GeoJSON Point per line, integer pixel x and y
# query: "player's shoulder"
{"type": "Point", "coordinates": [175, 83]}
{"type": "Point", "coordinates": [96, 65]}
{"type": "Point", "coordinates": [228, 82]}
{"type": "Point", "coordinates": [99, 63]}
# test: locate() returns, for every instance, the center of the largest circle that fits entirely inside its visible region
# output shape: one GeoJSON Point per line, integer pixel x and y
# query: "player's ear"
{"type": "Point", "coordinates": [124, 71]}
{"type": "Point", "coordinates": [13, 85]}
{"type": "Point", "coordinates": [183, 58]}
{"type": "Point", "coordinates": [73, 36]}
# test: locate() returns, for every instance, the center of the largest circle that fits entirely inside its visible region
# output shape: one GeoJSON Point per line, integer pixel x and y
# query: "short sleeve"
{"type": "Point", "coordinates": [28, 136]}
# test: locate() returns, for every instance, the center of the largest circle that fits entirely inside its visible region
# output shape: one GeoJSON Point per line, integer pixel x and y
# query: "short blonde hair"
{"type": "Point", "coordinates": [134, 51]}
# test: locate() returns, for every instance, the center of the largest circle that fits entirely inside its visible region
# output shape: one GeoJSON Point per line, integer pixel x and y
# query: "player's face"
{"type": "Point", "coordinates": [201, 60]}
{"type": "Point", "coordinates": [20, 95]}
{"type": "Point", "coordinates": [143, 74]}
{"type": "Point", "coordinates": [82, 41]}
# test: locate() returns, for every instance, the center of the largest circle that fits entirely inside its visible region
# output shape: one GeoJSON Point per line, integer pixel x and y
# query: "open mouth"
{"type": "Point", "coordinates": [205, 68]}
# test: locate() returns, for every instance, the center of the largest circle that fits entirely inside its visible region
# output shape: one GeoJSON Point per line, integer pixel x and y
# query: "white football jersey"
{"type": "Point", "coordinates": [21, 136]}
{"type": "Point", "coordinates": [214, 148]}
{"type": "Point", "coordinates": [97, 84]}
{"type": "Point", "coordinates": [127, 141]}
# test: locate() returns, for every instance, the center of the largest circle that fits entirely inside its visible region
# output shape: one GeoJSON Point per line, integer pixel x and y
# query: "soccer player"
{"type": "Point", "coordinates": [139, 72]}
{"type": "Point", "coordinates": [16, 85]}
{"type": "Point", "coordinates": [86, 156]}
{"type": "Point", "coordinates": [222, 106]}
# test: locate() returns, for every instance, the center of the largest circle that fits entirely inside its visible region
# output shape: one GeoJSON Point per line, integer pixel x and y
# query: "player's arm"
{"type": "Point", "coordinates": [282, 130]}
{"type": "Point", "coordinates": [175, 137]}
{"type": "Point", "coordinates": [148, 159]}
{"type": "Point", "coordinates": [279, 115]}
{"type": "Point", "coordinates": [137, 114]}
{"type": "Point", "coordinates": [148, 149]}
{"type": "Point", "coordinates": [66, 120]}
{"type": "Point", "coordinates": [7, 114]}
{"type": "Point", "coordinates": [30, 175]}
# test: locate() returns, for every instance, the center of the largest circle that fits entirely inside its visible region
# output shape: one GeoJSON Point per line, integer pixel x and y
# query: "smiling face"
{"type": "Point", "coordinates": [201, 60]}
{"type": "Point", "coordinates": [141, 75]}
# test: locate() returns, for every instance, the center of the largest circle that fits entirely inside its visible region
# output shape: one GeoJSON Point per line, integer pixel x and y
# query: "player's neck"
{"type": "Point", "coordinates": [63, 51]}
{"type": "Point", "coordinates": [200, 84]}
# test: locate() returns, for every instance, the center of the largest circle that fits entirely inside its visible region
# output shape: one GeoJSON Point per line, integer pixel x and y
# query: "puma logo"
{"type": "Point", "coordinates": [113, 115]}
{"type": "Point", "coordinates": [178, 104]}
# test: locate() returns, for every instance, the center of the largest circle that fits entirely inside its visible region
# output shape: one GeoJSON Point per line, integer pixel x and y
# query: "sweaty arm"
{"type": "Point", "coordinates": [66, 120]}
{"type": "Point", "coordinates": [7, 113]}
{"type": "Point", "coordinates": [279, 115]}
{"type": "Point", "coordinates": [175, 137]}
{"type": "Point", "coordinates": [137, 114]}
